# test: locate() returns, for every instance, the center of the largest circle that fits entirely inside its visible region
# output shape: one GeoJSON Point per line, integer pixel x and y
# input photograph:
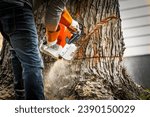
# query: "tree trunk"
{"type": "Point", "coordinates": [96, 71]}
{"type": "Point", "coordinates": [6, 77]}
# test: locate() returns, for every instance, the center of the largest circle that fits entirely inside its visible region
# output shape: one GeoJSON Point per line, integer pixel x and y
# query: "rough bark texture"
{"type": "Point", "coordinates": [6, 77]}
{"type": "Point", "coordinates": [96, 71]}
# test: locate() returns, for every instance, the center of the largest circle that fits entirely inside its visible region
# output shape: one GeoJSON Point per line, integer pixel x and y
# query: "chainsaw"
{"type": "Point", "coordinates": [69, 31]}
{"type": "Point", "coordinates": [66, 39]}
{"type": "Point", "coordinates": [70, 48]}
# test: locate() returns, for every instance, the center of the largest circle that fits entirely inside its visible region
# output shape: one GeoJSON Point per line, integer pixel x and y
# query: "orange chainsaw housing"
{"type": "Point", "coordinates": [66, 18]}
{"type": "Point", "coordinates": [65, 22]}
{"type": "Point", "coordinates": [64, 33]}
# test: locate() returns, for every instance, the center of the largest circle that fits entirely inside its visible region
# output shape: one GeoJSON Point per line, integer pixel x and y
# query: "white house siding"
{"type": "Point", "coordinates": [135, 15]}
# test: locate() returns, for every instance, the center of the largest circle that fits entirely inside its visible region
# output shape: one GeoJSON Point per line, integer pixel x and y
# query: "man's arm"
{"type": "Point", "coordinates": [53, 13]}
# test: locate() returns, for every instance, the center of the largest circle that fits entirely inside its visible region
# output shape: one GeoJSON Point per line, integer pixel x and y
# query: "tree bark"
{"type": "Point", "coordinates": [96, 71]}
{"type": "Point", "coordinates": [6, 76]}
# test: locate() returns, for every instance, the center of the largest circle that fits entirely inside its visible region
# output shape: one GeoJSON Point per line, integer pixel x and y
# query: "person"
{"type": "Point", "coordinates": [57, 21]}
{"type": "Point", "coordinates": [18, 27]}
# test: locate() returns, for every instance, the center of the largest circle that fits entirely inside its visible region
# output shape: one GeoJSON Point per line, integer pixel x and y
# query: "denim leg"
{"type": "Point", "coordinates": [18, 23]}
{"type": "Point", "coordinates": [33, 83]}
{"type": "Point", "coordinates": [18, 79]}
{"type": "Point", "coordinates": [25, 42]}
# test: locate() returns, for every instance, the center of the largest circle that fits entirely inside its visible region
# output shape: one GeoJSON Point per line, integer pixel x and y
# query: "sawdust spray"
{"type": "Point", "coordinates": [59, 80]}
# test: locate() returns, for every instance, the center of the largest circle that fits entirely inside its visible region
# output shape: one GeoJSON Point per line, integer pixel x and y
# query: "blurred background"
{"type": "Point", "coordinates": [135, 15]}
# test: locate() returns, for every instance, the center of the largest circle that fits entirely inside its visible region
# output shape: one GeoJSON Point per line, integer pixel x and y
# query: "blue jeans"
{"type": "Point", "coordinates": [17, 25]}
